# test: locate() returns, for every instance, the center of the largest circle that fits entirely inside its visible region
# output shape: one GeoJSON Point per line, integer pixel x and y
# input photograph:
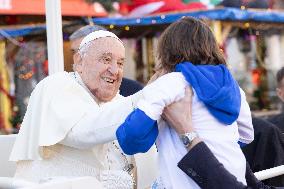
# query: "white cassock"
{"type": "Point", "coordinates": [66, 134]}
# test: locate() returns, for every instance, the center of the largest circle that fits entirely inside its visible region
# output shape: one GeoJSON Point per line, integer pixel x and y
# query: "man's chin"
{"type": "Point", "coordinates": [106, 97]}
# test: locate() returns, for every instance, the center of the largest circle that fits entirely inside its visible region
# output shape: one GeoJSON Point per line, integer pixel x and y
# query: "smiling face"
{"type": "Point", "coordinates": [101, 67]}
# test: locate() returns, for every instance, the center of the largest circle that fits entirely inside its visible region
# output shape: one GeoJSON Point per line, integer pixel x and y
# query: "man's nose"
{"type": "Point", "coordinates": [113, 68]}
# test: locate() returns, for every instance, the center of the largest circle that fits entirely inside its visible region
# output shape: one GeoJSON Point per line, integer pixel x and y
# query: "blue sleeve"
{"type": "Point", "coordinates": [138, 133]}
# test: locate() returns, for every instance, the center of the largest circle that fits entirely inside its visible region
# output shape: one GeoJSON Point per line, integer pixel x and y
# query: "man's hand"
{"type": "Point", "coordinates": [179, 115]}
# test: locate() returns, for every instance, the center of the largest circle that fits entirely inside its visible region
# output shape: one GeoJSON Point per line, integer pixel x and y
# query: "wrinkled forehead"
{"type": "Point", "coordinates": [106, 41]}
{"type": "Point", "coordinates": [107, 45]}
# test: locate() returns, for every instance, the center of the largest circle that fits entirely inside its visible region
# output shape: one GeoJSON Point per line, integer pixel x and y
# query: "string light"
{"type": "Point", "coordinates": [154, 21]}
{"type": "Point", "coordinates": [247, 25]}
{"type": "Point", "coordinates": [243, 7]}
{"type": "Point", "coordinates": [127, 28]}
{"type": "Point", "coordinates": [15, 108]}
{"type": "Point", "coordinates": [138, 20]}
{"type": "Point", "coordinates": [163, 16]}
{"type": "Point", "coordinates": [111, 26]}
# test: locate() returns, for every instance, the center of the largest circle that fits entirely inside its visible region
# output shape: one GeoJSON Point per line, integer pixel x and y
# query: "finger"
{"type": "Point", "coordinates": [188, 95]}
{"type": "Point", "coordinates": [163, 116]}
{"type": "Point", "coordinates": [165, 111]}
{"type": "Point", "coordinates": [188, 91]}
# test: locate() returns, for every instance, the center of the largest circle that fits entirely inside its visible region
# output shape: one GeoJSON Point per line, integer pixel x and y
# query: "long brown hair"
{"type": "Point", "coordinates": [188, 39]}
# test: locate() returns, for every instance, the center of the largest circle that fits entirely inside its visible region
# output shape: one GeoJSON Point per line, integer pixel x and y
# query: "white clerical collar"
{"type": "Point", "coordinates": [78, 78]}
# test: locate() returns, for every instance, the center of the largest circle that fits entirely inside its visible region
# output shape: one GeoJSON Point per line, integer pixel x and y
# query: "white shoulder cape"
{"type": "Point", "coordinates": [56, 104]}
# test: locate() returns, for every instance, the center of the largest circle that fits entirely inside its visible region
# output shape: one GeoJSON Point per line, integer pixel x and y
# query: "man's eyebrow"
{"type": "Point", "coordinates": [107, 54]}
{"type": "Point", "coordinates": [110, 54]}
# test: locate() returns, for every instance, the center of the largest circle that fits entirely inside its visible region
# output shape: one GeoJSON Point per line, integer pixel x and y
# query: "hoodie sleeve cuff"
{"type": "Point", "coordinates": [138, 133]}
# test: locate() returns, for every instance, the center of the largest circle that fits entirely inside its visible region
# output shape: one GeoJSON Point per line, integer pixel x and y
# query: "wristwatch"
{"type": "Point", "coordinates": [187, 138]}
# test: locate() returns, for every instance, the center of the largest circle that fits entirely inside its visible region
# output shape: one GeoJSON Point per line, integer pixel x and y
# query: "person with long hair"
{"type": "Point", "coordinates": [189, 55]}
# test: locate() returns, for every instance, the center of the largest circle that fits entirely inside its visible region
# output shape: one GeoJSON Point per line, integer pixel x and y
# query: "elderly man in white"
{"type": "Point", "coordinates": [69, 128]}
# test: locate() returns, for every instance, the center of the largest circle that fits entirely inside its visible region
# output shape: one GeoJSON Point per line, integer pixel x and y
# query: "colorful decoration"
{"type": "Point", "coordinates": [29, 68]}
{"type": "Point", "coordinates": [107, 4]}
{"type": "Point", "coordinates": [232, 15]}
{"type": "Point", "coordinates": [137, 8]}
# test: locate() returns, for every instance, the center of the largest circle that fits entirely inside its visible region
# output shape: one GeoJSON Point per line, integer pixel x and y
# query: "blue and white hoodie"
{"type": "Point", "coordinates": [220, 114]}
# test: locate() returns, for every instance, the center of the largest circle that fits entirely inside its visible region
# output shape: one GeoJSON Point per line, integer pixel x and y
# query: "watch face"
{"type": "Point", "coordinates": [185, 140]}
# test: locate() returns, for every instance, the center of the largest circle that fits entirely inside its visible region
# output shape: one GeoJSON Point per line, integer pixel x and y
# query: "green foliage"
{"type": "Point", "coordinates": [16, 118]}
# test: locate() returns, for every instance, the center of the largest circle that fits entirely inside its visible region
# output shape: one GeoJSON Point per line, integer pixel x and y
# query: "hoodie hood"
{"type": "Point", "coordinates": [216, 88]}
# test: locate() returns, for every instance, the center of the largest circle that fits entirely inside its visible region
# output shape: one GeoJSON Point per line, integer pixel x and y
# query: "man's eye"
{"type": "Point", "coordinates": [107, 59]}
{"type": "Point", "coordinates": [74, 51]}
{"type": "Point", "coordinates": [120, 63]}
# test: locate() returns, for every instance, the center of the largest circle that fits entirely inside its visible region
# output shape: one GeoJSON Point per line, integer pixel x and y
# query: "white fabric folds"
{"type": "Point", "coordinates": [52, 111]}
{"type": "Point", "coordinates": [171, 151]}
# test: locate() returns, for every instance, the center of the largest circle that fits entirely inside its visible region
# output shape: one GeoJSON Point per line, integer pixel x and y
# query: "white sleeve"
{"type": "Point", "coordinates": [165, 90]}
{"type": "Point", "coordinates": [99, 125]}
{"type": "Point", "coordinates": [244, 121]}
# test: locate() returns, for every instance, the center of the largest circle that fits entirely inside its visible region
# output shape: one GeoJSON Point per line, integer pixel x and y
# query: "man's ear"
{"type": "Point", "coordinates": [280, 94]}
{"type": "Point", "coordinates": [77, 58]}
{"type": "Point", "coordinates": [77, 63]}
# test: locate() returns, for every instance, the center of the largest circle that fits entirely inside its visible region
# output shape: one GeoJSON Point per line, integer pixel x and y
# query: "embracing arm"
{"type": "Point", "coordinates": [139, 131]}
{"type": "Point", "coordinates": [99, 124]}
{"type": "Point", "coordinates": [200, 163]}
{"type": "Point", "coordinates": [135, 129]}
